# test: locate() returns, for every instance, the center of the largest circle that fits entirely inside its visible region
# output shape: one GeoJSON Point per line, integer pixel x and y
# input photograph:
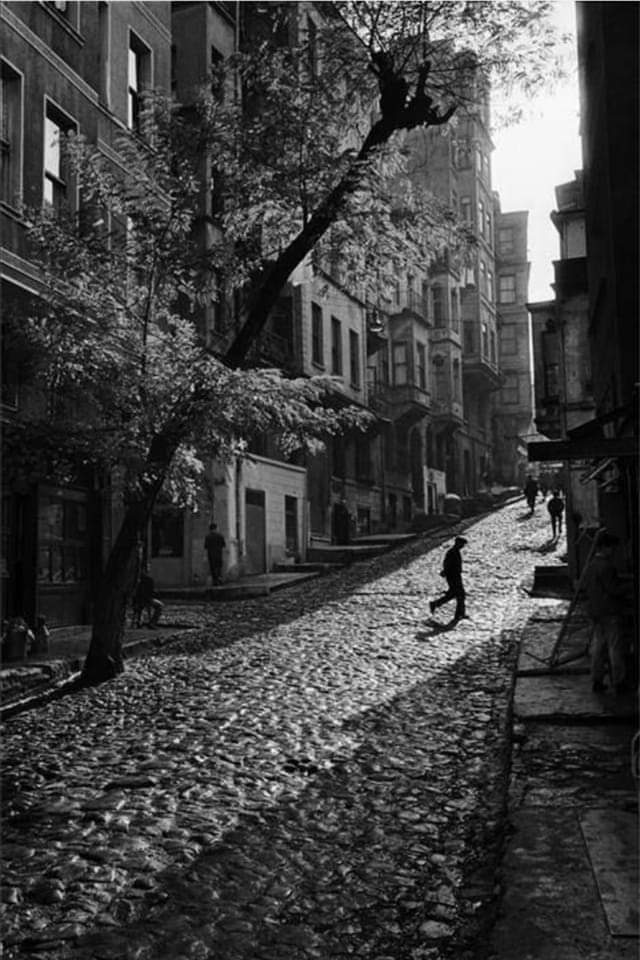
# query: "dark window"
{"type": "Point", "coordinates": [62, 537]}
{"type": "Point", "coordinates": [400, 363]}
{"type": "Point", "coordinates": [167, 532]}
{"type": "Point", "coordinates": [10, 135]}
{"type": "Point", "coordinates": [339, 457]}
{"type": "Point", "coordinates": [291, 525]}
{"type": "Point", "coordinates": [317, 345]}
{"type": "Point", "coordinates": [354, 358]}
{"type": "Point", "coordinates": [336, 346]}
{"type": "Point", "coordinates": [422, 366]}
{"type": "Point", "coordinates": [439, 311]}
{"type": "Point", "coordinates": [469, 338]}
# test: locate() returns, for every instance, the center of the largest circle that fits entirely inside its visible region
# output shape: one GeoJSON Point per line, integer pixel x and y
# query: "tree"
{"type": "Point", "coordinates": [124, 385]}
{"type": "Point", "coordinates": [300, 150]}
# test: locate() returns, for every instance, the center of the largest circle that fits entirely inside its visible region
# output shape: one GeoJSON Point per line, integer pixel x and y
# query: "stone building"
{"type": "Point", "coordinates": [65, 66]}
{"type": "Point", "coordinates": [593, 408]}
{"type": "Point", "coordinates": [513, 407]}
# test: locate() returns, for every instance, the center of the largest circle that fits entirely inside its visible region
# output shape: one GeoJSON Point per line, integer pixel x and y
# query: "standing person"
{"type": "Point", "coordinates": [214, 544]}
{"type": "Point", "coordinates": [531, 492]}
{"type": "Point", "coordinates": [145, 599]}
{"type": "Point", "coordinates": [556, 509]}
{"type": "Point", "coordinates": [452, 572]}
{"type": "Point", "coordinates": [605, 594]}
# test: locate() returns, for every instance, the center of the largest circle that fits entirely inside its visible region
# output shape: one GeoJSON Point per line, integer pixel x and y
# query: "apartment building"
{"type": "Point", "coordinates": [65, 66]}
{"type": "Point", "coordinates": [588, 402]}
{"type": "Point", "coordinates": [513, 408]}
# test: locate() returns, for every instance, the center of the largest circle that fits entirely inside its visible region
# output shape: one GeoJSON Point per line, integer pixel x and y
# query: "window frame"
{"type": "Point", "coordinates": [144, 78]}
{"type": "Point", "coordinates": [502, 278]}
{"type": "Point", "coordinates": [317, 335]}
{"type": "Point", "coordinates": [354, 358]}
{"type": "Point", "coordinates": [336, 347]}
{"type": "Point", "coordinates": [14, 151]}
{"type": "Point", "coordinates": [63, 179]}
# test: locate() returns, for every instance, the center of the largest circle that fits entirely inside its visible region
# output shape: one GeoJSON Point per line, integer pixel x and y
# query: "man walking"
{"type": "Point", "coordinates": [531, 492]}
{"type": "Point", "coordinates": [556, 508]}
{"type": "Point", "coordinates": [452, 572]}
{"type": "Point", "coordinates": [214, 544]}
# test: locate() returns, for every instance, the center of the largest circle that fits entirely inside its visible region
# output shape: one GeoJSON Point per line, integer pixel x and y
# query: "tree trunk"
{"type": "Point", "coordinates": [268, 289]}
{"type": "Point", "coordinates": [104, 660]}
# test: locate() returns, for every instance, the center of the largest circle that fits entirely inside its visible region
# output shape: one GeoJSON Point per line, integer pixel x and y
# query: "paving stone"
{"type": "Point", "coordinates": [311, 774]}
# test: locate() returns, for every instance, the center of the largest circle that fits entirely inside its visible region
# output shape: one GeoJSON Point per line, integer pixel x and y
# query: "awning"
{"type": "Point", "coordinates": [583, 448]}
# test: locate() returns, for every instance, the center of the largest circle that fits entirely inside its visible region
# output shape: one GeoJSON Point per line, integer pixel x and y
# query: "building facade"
{"type": "Point", "coordinates": [65, 66]}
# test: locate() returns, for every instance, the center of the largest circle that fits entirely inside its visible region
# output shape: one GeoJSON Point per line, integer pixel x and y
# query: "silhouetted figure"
{"type": "Point", "coordinates": [555, 507]}
{"type": "Point", "coordinates": [214, 544]}
{"type": "Point", "coordinates": [145, 599]}
{"type": "Point", "coordinates": [605, 594]}
{"type": "Point", "coordinates": [42, 636]}
{"type": "Point", "coordinates": [531, 492]}
{"type": "Point", "coordinates": [452, 572]}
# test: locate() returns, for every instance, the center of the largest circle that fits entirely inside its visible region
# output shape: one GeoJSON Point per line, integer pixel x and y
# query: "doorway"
{"type": "Point", "coordinates": [255, 534]}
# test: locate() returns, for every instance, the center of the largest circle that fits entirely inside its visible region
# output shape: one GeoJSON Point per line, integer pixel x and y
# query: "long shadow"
{"type": "Point", "coordinates": [549, 547]}
{"type": "Point", "coordinates": [360, 851]}
{"type": "Point", "coordinates": [435, 627]}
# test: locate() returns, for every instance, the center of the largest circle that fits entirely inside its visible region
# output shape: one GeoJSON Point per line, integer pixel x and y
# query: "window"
{"type": "Point", "coordinates": [139, 78]}
{"type": "Point", "coordinates": [57, 177]}
{"type": "Point", "coordinates": [396, 291]}
{"type": "Point", "coordinates": [485, 340]}
{"type": "Point", "coordinates": [104, 72]}
{"type": "Point", "coordinates": [336, 346]}
{"type": "Point", "coordinates": [400, 364]}
{"type": "Point", "coordinates": [487, 226]}
{"type": "Point", "coordinates": [10, 135]}
{"type": "Point", "coordinates": [317, 346]}
{"type": "Point", "coordinates": [492, 342]}
{"type": "Point", "coordinates": [363, 459]}
{"type": "Point", "coordinates": [465, 209]}
{"type": "Point", "coordinates": [507, 288]}
{"type": "Point", "coordinates": [469, 338]}
{"type": "Point", "coordinates": [291, 525]}
{"type": "Point", "coordinates": [481, 217]}
{"type": "Point", "coordinates": [456, 382]}
{"type": "Point", "coordinates": [510, 389]}
{"type": "Point", "coordinates": [411, 292]}
{"type": "Point", "coordinates": [422, 365]}
{"type": "Point", "coordinates": [167, 531]}
{"type": "Point", "coordinates": [508, 340]}
{"type": "Point", "coordinates": [385, 374]}
{"type": "Point", "coordinates": [438, 293]}
{"type": "Point", "coordinates": [62, 536]}
{"type": "Point", "coordinates": [505, 240]}
{"type": "Point", "coordinates": [339, 457]}
{"type": "Point", "coordinates": [217, 82]}
{"type": "Point", "coordinates": [490, 286]}
{"type": "Point", "coordinates": [478, 160]}
{"type": "Point", "coordinates": [354, 358]}
{"type": "Point", "coordinates": [483, 278]}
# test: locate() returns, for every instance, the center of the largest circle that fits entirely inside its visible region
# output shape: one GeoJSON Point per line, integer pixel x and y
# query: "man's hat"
{"type": "Point", "coordinates": [460, 542]}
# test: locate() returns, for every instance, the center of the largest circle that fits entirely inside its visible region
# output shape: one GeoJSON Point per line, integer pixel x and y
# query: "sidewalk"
{"type": "Point", "coordinates": [570, 869]}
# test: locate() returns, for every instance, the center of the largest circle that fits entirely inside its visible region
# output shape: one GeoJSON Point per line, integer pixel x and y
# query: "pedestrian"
{"type": "Point", "coordinates": [145, 599]}
{"type": "Point", "coordinates": [555, 507]}
{"type": "Point", "coordinates": [42, 636]}
{"type": "Point", "coordinates": [452, 572]}
{"type": "Point", "coordinates": [605, 594]}
{"type": "Point", "coordinates": [531, 492]}
{"type": "Point", "coordinates": [214, 544]}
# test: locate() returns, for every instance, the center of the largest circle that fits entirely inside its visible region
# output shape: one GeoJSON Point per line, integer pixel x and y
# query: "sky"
{"type": "Point", "coordinates": [532, 158]}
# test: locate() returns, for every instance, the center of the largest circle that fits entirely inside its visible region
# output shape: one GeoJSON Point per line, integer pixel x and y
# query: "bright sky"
{"type": "Point", "coordinates": [534, 157]}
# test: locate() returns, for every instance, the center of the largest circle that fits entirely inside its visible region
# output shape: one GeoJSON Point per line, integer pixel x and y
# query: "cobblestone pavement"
{"type": "Point", "coordinates": [316, 774]}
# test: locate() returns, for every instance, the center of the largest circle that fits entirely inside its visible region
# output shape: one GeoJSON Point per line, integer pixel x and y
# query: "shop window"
{"type": "Point", "coordinates": [62, 537]}
{"type": "Point", "coordinates": [167, 532]}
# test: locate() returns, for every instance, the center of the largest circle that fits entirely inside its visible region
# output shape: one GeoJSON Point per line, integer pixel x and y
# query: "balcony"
{"type": "Point", "coordinates": [480, 371]}
{"type": "Point", "coordinates": [406, 403]}
{"type": "Point", "coordinates": [416, 308]}
{"type": "Point", "coordinates": [447, 414]}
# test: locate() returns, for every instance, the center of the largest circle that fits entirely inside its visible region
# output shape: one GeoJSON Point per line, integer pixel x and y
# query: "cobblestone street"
{"type": "Point", "coordinates": [316, 774]}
